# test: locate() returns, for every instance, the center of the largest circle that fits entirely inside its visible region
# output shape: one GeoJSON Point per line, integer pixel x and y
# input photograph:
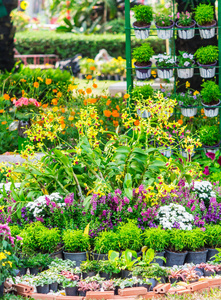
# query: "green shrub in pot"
{"type": "Point", "coordinates": [176, 240]}
{"type": "Point", "coordinates": [143, 15]}
{"type": "Point", "coordinates": [156, 239]}
{"type": "Point", "coordinates": [209, 135]}
{"type": "Point", "coordinates": [207, 55]}
{"type": "Point", "coordinates": [194, 239]}
{"type": "Point", "coordinates": [143, 54]}
{"type": "Point", "coordinates": [75, 241]}
{"type": "Point", "coordinates": [48, 240]}
{"type": "Point", "coordinates": [106, 241]}
{"type": "Point", "coordinates": [130, 236]}
{"type": "Point", "coordinates": [213, 236]}
{"type": "Point", "coordinates": [204, 14]}
{"type": "Point", "coordinates": [210, 93]}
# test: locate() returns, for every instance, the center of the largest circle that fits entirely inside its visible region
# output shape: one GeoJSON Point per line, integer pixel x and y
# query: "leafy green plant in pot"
{"type": "Point", "coordinates": [76, 244]}
{"type": "Point", "coordinates": [207, 59]}
{"type": "Point", "coordinates": [164, 24]}
{"type": "Point", "coordinates": [194, 242]}
{"type": "Point", "coordinates": [177, 253]}
{"type": "Point", "coordinates": [156, 239]}
{"type": "Point", "coordinates": [142, 56]}
{"type": "Point", "coordinates": [104, 242]}
{"type": "Point", "coordinates": [89, 268]}
{"type": "Point", "coordinates": [127, 260]}
{"type": "Point", "coordinates": [189, 102]}
{"type": "Point", "coordinates": [71, 286]}
{"type": "Point", "coordinates": [210, 98]}
{"type": "Point", "coordinates": [185, 25]}
{"type": "Point", "coordinates": [204, 16]}
{"type": "Point", "coordinates": [185, 63]}
{"type": "Point", "coordinates": [144, 16]}
{"type": "Point", "coordinates": [143, 93]}
{"type": "Point", "coordinates": [210, 138]}
{"type": "Point", "coordinates": [212, 240]}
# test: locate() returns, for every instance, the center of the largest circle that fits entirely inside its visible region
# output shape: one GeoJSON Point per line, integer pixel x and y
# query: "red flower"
{"type": "Point", "coordinates": [206, 171]}
{"type": "Point", "coordinates": [219, 160]}
{"type": "Point", "coordinates": [210, 155]}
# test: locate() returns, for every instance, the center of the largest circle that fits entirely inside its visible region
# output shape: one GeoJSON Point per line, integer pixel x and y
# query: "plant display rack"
{"type": "Point", "coordinates": [130, 70]}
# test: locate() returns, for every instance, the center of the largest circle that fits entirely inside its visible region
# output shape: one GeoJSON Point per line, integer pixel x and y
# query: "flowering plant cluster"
{"type": "Point", "coordinates": [184, 19]}
{"type": "Point", "coordinates": [163, 20]}
{"type": "Point", "coordinates": [185, 59]}
{"type": "Point", "coordinates": [165, 61]}
{"type": "Point", "coordinates": [188, 99]}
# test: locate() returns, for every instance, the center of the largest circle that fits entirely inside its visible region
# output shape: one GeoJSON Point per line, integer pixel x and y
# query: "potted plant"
{"type": "Point", "coordinates": [127, 260]}
{"type": "Point", "coordinates": [210, 138]}
{"type": "Point", "coordinates": [89, 284]}
{"type": "Point", "coordinates": [207, 59]}
{"type": "Point", "coordinates": [185, 64]}
{"type": "Point", "coordinates": [210, 98]}
{"type": "Point", "coordinates": [164, 24]}
{"type": "Point", "coordinates": [42, 282]}
{"type": "Point", "coordinates": [104, 242]}
{"type": "Point", "coordinates": [156, 239]}
{"type": "Point", "coordinates": [194, 242]}
{"type": "Point", "coordinates": [185, 25]}
{"type": "Point", "coordinates": [38, 262]}
{"type": "Point", "coordinates": [107, 269]}
{"type": "Point", "coordinates": [76, 244]}
{"type": "Point", "coordinates": [165, 64]}
{"type": "Point", "coordinates": [143, 15]}
{"type": "Point", "coordinates": [204, 16]}
{"type": "Point", "coordinates": [188, 102]}
{"type": "Point", "coordinates": [144, 92]}
{"type": "Point", "coordinates": [213, 240]}
{"type": "Point", "coordinates": [108, 285]}
{"type": "Point", "coordinates": [142, 56]}
{"type": "Point", "coordinates": [71, 286]}
{"type": "Point", "coordinates": [89, 268]}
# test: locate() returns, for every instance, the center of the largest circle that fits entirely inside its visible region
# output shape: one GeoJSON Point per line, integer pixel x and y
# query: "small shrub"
{"type": "Point", "coordinates": [105, 241]}
{"type": "Point", "coordinates": [130, 236]}
{"type": "Point", "coordinates": [194, 239]}
{"type": "Point", "coordinates": [176, 240]}
{"type": "Point", "coordinates": [209, 135]}
{"type": "Point", "coordinates": [210, 92]}
{"type": "Point", "coordinates": [48, 240]}
{"type": "Point", "coordinates": [143, 14]}
{"type": "Point", "coordinates": [204, 14]}
{"type": "Point", "coordinates": [207, 55]}
{"type": "Point", "coordinates": [156, 238]}
{"type": "Point", "coordinates": [213, 236]}
{"type": "Point", "coordinates": [146, 91]}
{"type": "Point", "coordinates": [143, 53]}
{"type": "Point", "coordinates": [75, 241]}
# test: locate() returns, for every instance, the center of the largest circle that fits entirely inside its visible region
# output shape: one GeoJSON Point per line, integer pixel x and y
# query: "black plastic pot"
{"type": "Point", "coordinates": [209, 273]}
{"type": "Point", "coordinates": [199, 272]}
{"type": "Point", "coordinates": [97, 256]}
{"type": "Point", "coordinates": [81, 293]}
{"type": "Point", "coordinates": [147, 286]}
{"type": "Point", "coordinates": [174, 280]}
{"type": "Point", "coordinates": [71, 291]}
{"type": "Point", "coordinates": [196, 257]}
{"type": "Point", "coordinates": [158, 260]}
{"type": "Point", "coordinates": [58, 254]}
{"type": "Point", "coordinates": [1, 289]}
{"type": "Point", "coordinates": [105, 275]}
{"type": "Point", "coordinates": [89, 274]}
{"type": "Point", "coordinates": [163, 279]}
{"type": "Point", "coordinates": [22, 271]}
{"type": "Point", "coordinates": [43, 289]}
{"type": "Point", "coordinates": [116, 275]}
{"type": "Point", "coordinates": [34, 271]}
{"type": "Point", "coordinates": [153, 282]}
{"type": "Point", "coordinates": [211, 253]}
{"type": "Point", "coordinates": [77, 257]}
{"type": "Point", "coordinates": [116, 290]}
{"type": "Point", "coordinates": [173, 258]}
{"type": "Point", "coordinates": [53, 287]}
{"type": "Point", "coordinates": [126, 274]}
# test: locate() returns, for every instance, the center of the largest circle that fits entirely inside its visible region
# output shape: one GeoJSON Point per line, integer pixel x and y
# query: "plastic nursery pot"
{"type": "Point", "coordinates": [189, 111]}
{"type": "Point", "coordinates": [174, 280]}
{"type": "Point", "coordinates": [196, 257]}
{"type": "Point", "coordinates": [116, 290]}
{"type": "Point", "coordinates": [173, 258]}
{"type": "Point", "coordinates": [185, 73]}
{"type": "Point", "coordinates": [211, 110]}
{"type": "Point", "coordinates": [126, 274]}
{"type": "Point", "coordinates": [34, 271]}
{"type": "Point", "coordinates": [164, 73]}
{"type": "Point", "coordinates": [186, 32]}
{"type": "Point", "coordinates": [185, 154]}
{"type": "Point", "coordinates": [209, 273]}
{"type": "Point", "coordinates": [153, 282]}
{"type": "Point", "coordinates": [43, 289]}
{"type": "Point", "coordinates": [58, 254]}
{"type": "Point", "coordinates": [97, 256]}
{"type": "Point", "coordinates": [22, 271]}
{"type": "Point", "coordinates": [208, 32]}
{"type": "Point", "coordinates": [141, 32]}
{"type": "Point", "coordinates": [158, 260]}
{"type": "Point", "coordinates": [1, 289]}
{"type": "Point", "coordinates": [199, 271]}
{"type": "Point", "coordinates": [210, 254]}
{"type": "Point", "coordinates": [82, 293]}
{"type": "Point", "coordinates": [71, 291]}
{"type": "Point", "coordinates": [89, 274]}
{"type": "Point", "coordinates": [212, 149]}
{"type": "Point", "coordinates": [207, 71]}
{"type": "Point", "coordinates": [143, 72]}
{"type": "Point", "coordinates": [77, 257]}
{"type": "Point", "coordinates": [165, 32]}
{"type": "Point", "coordinates": [105, 275]}
{"type": "Point", "coordinates": [53, 287]}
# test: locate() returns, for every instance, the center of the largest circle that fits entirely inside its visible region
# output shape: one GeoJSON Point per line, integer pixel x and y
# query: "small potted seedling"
{"type": "Point", "coordinates": [165, 64]}
{"type": "Point", "coordinates": [164, 24]}
{"type": "Point", "coordinates": [210, 98]}
{"type": "Point", "coordinates": [210, 138]}
{"type": "Point", "coordinates": [185, 25]}
{"type": "Point", "coordinates": [142, 55]}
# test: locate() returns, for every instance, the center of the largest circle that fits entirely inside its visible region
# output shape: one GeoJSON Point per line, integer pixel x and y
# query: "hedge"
{"type": "Point", "coordinates": [66, 45]}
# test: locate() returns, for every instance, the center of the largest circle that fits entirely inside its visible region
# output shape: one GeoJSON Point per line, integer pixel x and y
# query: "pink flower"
{"type": "Point", "coordinates": [211, 155]}
{"type": "Point", "coordinates": [19, 238]}
{"type": "Point", "coordinates": [206, 171]}
{"type": "Point", "coordinates": [130, 209]}
{"type": "Point", "coordinates": [178, 15]}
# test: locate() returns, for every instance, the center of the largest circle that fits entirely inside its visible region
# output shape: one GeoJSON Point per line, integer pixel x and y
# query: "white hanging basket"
{"type": "Point", "coordinates": [209, 32]}
{"type": "Point", "coordinates": [167, 152]}
{"type": "Point", "coordinates": [141, 32]}
{"type": "Point", "coordinates": [185, 73]}
{"type": "Point", "coordinates": [186, 33]}
{"type": "Point", "coordinates": [211, 110]}
{"type": "Point", "coordinates": [213, 149]}
{"type": "Point", "coordinates": [207, 71]}
{"type": "Point", "coordinates": [185, 154]}
{"type": "Point", "coordinates": [143, 72]}
{"type": "Point", "coordinates": [165, 73]}
{"type": "Point", "coordinates": [189, 111]}
{"type": "Point", "coordinates": [165, 32]}
{"type": "Point", "coordinates": [144, 114]}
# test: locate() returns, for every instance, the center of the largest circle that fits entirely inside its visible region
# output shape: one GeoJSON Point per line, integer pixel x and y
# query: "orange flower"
{"type": "Point", "coordinates": [54, 101]}
{"type": "Point", "coordinates": [59, 94]}
{"type": "Point", "coordinates": [93, 100]}
{"type": "Point", "coordinates": [54, 91]}
{"type": "Point", "coordinates": [36, 84]}
{"type": "Point", "coordinates": [115, 113]}
{"type": "Point", "coordinates": [89, 77]}
{"type": "Point", "coordinates": [85, 102]}
{"type": "Point", "coordinates": [2, 111]}
{"type": "Point", "coordinates": [92, 68]}
{"type": "Point", "coordinates": [108, 102]}
{"type": "Point", "coordinates": [23, 93]}
{"type": "Point", "coordinates": [137, 122]}
{"type": "Point", "coordinates": [45, 105]}
{"type": "Point", "coordinates": [22, 80]}
{"type": "Point", "coordinates": [202, 111]}
{"type": "Point", "coordinates": [73, 113]}
{"type": "Point", "coordinates": [107, 113]}
{"type": "Point", "coordinates": [105, 97]}
{"type": "Point", "coordinates": [115, 123]}
{"type": "Point", "coordinates": [117, 107]}
{"type": "Point", "coordinates": [4, 122]}
{"type": "Point", "coordinates": [13, 98]}
{"type": "Point", "coordinates": [63, 110]}
{"type": "Point", "coordinates": [95, 85]}
{"type": "Point", "coordinates": [80, 91]}
{"type": "Point", "coordinates": [88, 90]}
{"type": "Point", "coordinates": [63, 126]}
{"type": "Point", "coordinates": [63, 132]}
{"type": "Point", "coordinates": [48, 81]}
{"type": "Point", "coordinates": [126, 96]}
{"type": "Point", "coordinates": [180, 122]}
{"type": "Point", "coordinates": [6, 96]}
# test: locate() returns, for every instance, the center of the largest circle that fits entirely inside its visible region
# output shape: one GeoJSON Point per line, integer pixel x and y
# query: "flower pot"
{"type": "Point", "coordinates": [23, 271]}
{"type": "Point", "coordinates": [1, 289]}
{"type": "Point", "coordinates": [22, 127]}
{"type": "Point", "coordinates": [77, 257]}
{"type": "Point", "coordinates": [53, 287]}
{"type": "Point", "coordinates": [105, 275]}
{"type": "Point", "coordinates": [165, 32]}
{"type": "Point", "coordinates": [209, 32]}
{"type": "Point", "coordinates": [34, 271]}
{"type": "Point", "coordinates": [126, 274]}
{"type": "Point", "coordinates": [212, 149]}
{"type": "Point", "coordinates": [173, 258]}
{"type": "Point", "coordinates": [211, 110]}
{"type": "Point", "coordinates": [185, 73]}
{"type": "Point", "coordinates": [153, 282]}
{"type": "Point", "coordinates": [143, 72]}
{"type": "Point", "coordinates": [97, 256]}
{"type": "Point", "coordinates": [58, 254]}
{"type": "Point", "coordinates": [82, 293]}
{"type": "Point", "coordinates": [164, 73]}
{"type": "Point", "coordinates": [185, 154]}
{"type": "Point", "coordinates": [158, 260]}
{"type": "Point", "coordinates": [199, 271]}
{"type": "Point", "coordinates": [189, 111]}
{"type": "Point", "coordinates": [89, 274]}
{"type": "Point", "coordinates": [196, 257]}
{"type": "Point", "coordinates": [141, 32]}
{"type": "Point", "coordinates": [116, 290]}
{"type": "Point", "coordinates": [167, 152]}
{"type": "Point", "coordinates": [211, 253]}
{"type": "Point", "coordinates": [174, 280]}
{"type": "Point", "coordinates": [207, 71]}
{"type": "Point", "coordinates": [144, 114]}
{"type": "Point", "coordinates": [187, 32]}
{"type": "Point", "coordinates": [71, 291]}
{"type": "Point", "coordinates": [43, 289]}
{"type": "Point", "coordinates": [209, 273]}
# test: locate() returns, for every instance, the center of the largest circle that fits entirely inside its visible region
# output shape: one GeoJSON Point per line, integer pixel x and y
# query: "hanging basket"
{"type": "Point", "coordinates": [164, 73]}
{"type": "Point", "coordinates": [211, 110]}
{"type": "Point", "coordinates": [144, 114]}
{"type": "Point", "coordinates": [209, 32]}
{"type": "Point", "coordinates": [207, 71]}
{"type": "Point", "coordinates": [143, 72]}
{"type": "Point", "coordinates": [186, 33]}
{"type": "Point", "coordinates": [189, 111]}
{"type": "Point", "coordinates": [141, 32]}
{"type": "Point", "coordinates": [165, 32]}
{"type": "Point", "coordinates": [212, 149]}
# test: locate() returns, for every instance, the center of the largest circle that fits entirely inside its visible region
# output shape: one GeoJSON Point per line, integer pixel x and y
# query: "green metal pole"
{"type": "Point", "coordinates": [219, 40]}
{"type": "Point", "coordinates": [128, 47]}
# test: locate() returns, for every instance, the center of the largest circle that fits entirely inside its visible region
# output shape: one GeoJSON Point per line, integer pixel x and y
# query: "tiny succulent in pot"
{"type": "Point", "coordinates": [209, 135]}
{"type": "Point", "coordinates": [143, 54]}
{"type": "Point", "coordinates": [143, 15]}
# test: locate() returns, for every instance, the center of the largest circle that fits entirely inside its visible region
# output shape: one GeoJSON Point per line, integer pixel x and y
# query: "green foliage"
{"type": "Point", "coordinates": [75, 241]}
{"type": "Point", "coordinates": [163, 20]}
{"type": "Point", "coordinates": [143, 13]}
{"type": "Point", "coordinates": [156, 239]}
{"type": "Point", "coordinates": [105, 241]}
{"type": "Point", "coordinates": [90, 266]}
{"type": "Point", "coordinates": [194, 239]}
{"type": "Point", "coordinates": [15, 230]}
{"type": "Point", "coordinates": [66, 45]}
{"type": "Point", "coordinates": [207, 55]}
{"type": "Point", "coordinates": [209, 135]}
{"type": "Point", "coordinates": [210, 92]}
{"type": "Point", "coordinates": [48, 239]}
{"type": "Point", "coordinates": [115, 26]}
{"type": "Point", "coordinates": [143, 53]}
{"type": "Point", "coordinates": [106, 266]}
{"type": "Point", "coordinates": [146, 91]}
{"type": "Point", "coordinates": [130, 236]}
{"type": "Point", "coordinates": [213, 236]}
{"type": "Point", "coordinates": [204, 14]}
{"type": "Point", "coordinates": [216, 176]}
{"type": "Point", "coordinates": [39, 260]}
{"type": "Point", "coordinates": [128, 259]}
{"type": "Point", "coordinates": [177, 240]}
{"type": "Point", "coordinates": [185, 19]}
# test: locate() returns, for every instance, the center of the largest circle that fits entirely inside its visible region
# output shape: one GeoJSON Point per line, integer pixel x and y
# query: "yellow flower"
{"type": "Point", "coordinates": [55, 108]}
{"type": "Point", "coordinates": [40, 79]}
{"type": "Point", "coordinates": [6, 96]}
{"type": "Point", "coordinates": [187, 84]}
{"type": "Point", "coordinates": [48, 81]}
{"type": "Point", "coordinates": [1, 207]}
{"type": "Point", "coordinates": [2, 256]}
{"type": "Point", "coordinates": [195, 93]}
{"type": "Point", "coordinates": [126, 96]}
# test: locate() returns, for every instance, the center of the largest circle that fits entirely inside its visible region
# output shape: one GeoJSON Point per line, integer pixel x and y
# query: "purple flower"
{"type": "Point", "coordinates": [210, 155]}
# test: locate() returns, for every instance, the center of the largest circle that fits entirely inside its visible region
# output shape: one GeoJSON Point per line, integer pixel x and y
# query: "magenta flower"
{"type": "Point", "coordinates": [130, 209]}
{"type": "Point", "coordinates": [206, 171]}
{"type": "Point", "coordinates": [210, 155]}
{"type": "Point", "coordinates": [19, 238]}
{"type": "Point", "coordinates": [219, 160]}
